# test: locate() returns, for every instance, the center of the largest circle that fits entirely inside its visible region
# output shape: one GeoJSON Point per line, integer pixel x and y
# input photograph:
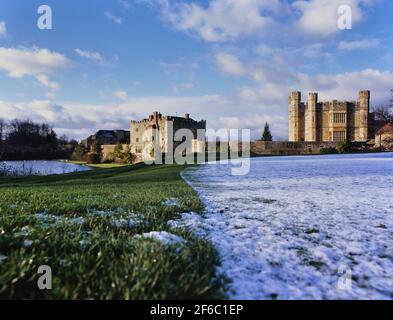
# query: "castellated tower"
{"type": "Point", "coordinates": [311, 117]}
{"type": "Point", "coordinates": [364, 110]}
{"type": "Point", "coordinates": [295, 116]}
{"type": "Point", "coordinates": [329, 121]}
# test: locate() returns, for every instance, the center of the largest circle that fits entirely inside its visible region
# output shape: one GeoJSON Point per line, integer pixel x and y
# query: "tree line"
{"type": "Point", "coordinates": [94, 154]}
{"type": "Point", "coordinates": [27, 140]}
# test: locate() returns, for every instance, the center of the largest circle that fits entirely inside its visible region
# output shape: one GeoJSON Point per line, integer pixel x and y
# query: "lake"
{"type": "Point", "coordinates": [38, 167]}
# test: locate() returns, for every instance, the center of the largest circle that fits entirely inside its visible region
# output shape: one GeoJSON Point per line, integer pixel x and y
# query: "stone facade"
{"type": "Point", "coordinates": [107, 137]}
{"type": "Point", "coordinates": [161, 130]}
{"type": "Point", "coordinates": [108, 149]}
{"type": "Point", "coordinates": [384, 137]}
{"type": "Point", "coordinates": [333, 121]}
{"type": "Point", "coordinates": [289, 148]}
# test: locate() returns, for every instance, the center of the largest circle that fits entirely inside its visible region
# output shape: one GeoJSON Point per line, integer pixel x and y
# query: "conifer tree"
{"type": "Point", "coordinates": [267, 135]}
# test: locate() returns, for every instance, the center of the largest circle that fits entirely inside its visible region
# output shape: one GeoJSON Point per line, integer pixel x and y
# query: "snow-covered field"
{"type": "Point", "coordinates": [39, 168]}
{"type": "Point", "coordinates": [315, 227]}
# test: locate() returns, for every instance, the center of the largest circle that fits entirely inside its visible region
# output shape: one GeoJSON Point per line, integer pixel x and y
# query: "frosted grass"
{"type": "Point", "coordinates": [289, 228]}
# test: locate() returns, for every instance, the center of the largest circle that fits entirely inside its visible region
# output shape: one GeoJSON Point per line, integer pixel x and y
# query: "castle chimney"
{"type": "Point", "coordinates": [187, 116]}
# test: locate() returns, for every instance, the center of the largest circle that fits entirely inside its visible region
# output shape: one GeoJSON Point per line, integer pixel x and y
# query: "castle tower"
{"type": "Point", "coordinates": [294, 114]}
{"type": "Point", "coordinates": [311, 118]}
{"type": "Point", "coordinates": [364, 109]}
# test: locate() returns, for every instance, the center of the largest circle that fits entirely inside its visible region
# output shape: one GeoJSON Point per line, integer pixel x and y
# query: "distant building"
{"type": "Point", "coordinates": [159, 129]}
{"type": "Point", "coordinates": [384, 137]}
{"type": "Point", "coordinates": [105, 137]}
{"type": "Point", "coordinates": [333, 121]}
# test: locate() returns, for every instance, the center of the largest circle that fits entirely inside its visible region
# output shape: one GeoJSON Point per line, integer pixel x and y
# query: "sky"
{"type": "Point", "coordinates": [230, 62]}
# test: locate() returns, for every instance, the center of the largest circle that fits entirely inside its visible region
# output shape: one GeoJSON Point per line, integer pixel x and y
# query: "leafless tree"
{"type": "Point", "coordinates": [2, 129]}
{"type": "Point", "coordinates": [391, 99]}
{"type": "Point", "coordinates": [384, 114]}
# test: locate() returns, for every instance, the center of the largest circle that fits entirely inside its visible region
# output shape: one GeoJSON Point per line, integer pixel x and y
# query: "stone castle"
{"type": "Point", "coordinates": [333, 121]}
{"type": "Point", "coordinates": [162, 129]}
{"type": "Point", "coordinates": [145, 134]}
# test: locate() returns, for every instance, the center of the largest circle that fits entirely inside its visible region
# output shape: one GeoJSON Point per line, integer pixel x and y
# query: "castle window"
{"type": "Point", "coordinates": [339, 118]}
{"type": "Point", "coordinates": [339, 136]}
{"type": "Point", "coordinates": [137, 139]}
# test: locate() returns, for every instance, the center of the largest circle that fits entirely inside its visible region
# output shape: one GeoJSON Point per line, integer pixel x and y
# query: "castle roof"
{"type": "Point", "coordinates": [387, 128]}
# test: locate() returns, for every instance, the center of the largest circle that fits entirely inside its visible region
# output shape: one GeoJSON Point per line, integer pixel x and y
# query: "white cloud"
{"type": "Point", "coordinates": [35, 62]}
{"type": "Point", "coordinates": [122, 95]}
{"type": "Point", "coordinates": [267, 101]}
{"type": "Point", "coordinates": [226, 20]}
{"type": "Point", "coordinates": [113, 18]}
{"type": "Point", "coordinates": [319, 17]}
{"type": "Point", "coordinates": [230, 64]}
{"type": "Point", "coordinates": [183, 86]}
{"type": "Point", "coordinates": [359, 44]}
{"type": "Point", "coordinates": [265, 50]}
{"type": "Point", "coordinates": [222, 20]}
{"type": "Point", "coordinates": [20, 62]}
{"type": "Point", "coordinates": [52, 85]}
{"type": "Point", "coordinates": [3, 28]}
{"type": "Point", "coordinates": [91, 55]}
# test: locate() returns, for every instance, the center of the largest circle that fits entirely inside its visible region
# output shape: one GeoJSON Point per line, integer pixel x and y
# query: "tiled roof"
{"type": "Point", "coordinates": [387, 128]}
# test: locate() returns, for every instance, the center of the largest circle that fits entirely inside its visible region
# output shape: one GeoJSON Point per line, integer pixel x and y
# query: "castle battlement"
{"type": "Point", "coordinates": [161, 129]}
{"type": "Point", "coordinates": [329, 121]}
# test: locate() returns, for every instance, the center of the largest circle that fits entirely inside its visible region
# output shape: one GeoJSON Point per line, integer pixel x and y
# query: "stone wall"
{"type": "Point", "coordinates": [289, 148]}
{"type": "Point", "coordinates": [107, 149]}
{"type": "Point", "coordinates": [384, 141]}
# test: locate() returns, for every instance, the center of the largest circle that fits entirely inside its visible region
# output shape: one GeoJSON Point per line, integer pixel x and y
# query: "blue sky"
{"type": "Point", "coordinates": [231, 62]}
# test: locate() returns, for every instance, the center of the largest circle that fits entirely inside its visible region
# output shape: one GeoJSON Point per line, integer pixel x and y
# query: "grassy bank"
{"type": "Point", "coordinates": [89, 226]}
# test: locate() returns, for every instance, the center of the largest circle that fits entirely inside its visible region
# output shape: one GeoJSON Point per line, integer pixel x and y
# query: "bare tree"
{"type": "Point", "coordinates": [391, 99]}
{"type": "Point", "coordinates": [2, 130]}
{"type": "Point", "coordinates": [384, 114]}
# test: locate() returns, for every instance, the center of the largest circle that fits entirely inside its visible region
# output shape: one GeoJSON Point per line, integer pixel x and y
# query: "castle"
{"type": "Point", "coordinates": [333, 121]}
{"type": "Point", "coordinates": [161, 130]}
{"type": "Point", "coordinates": [104, 137]}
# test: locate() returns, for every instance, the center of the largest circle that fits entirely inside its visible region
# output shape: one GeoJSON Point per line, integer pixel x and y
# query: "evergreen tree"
{"type": "Point", "coordinates": [97, 149]}
{"type": "Point", "coordinates": [118, 152]}
{"type": "Point", "coordinates": [80, 151]}
{"type": "Point", "coordinates": [267, 136]}
{"type": "Point", "coordinates": [128, 156]}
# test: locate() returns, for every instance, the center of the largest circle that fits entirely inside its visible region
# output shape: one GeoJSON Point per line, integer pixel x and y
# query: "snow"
{"type": "Point", "coordinates": [40, 168]}
{"type": "Point", "coordinates": [296, 227]}
{"type": "Point", "coordinates": [27, 243]}
{"type": "Point", "coordinates": [126, 223]}
{"type": "Point", "coordinates": [171, 202]}
{"type": "Point", "coordinates": [49, 219]}
{"type": "Point", "coordinates": [163, 236]}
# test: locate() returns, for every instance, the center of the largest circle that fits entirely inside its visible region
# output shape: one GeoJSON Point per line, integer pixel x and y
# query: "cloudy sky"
{"type": "Point", "coordinates": [232, 62]}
